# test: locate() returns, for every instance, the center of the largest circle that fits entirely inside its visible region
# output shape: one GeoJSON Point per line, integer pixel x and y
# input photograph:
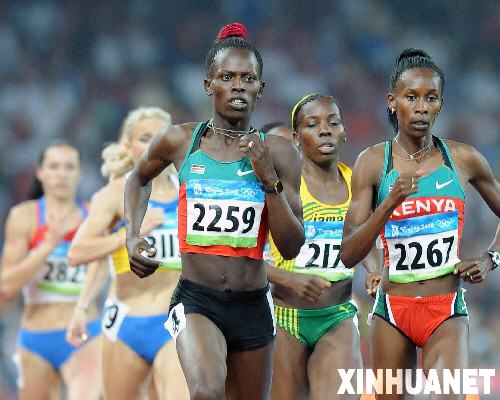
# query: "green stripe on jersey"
{"type": "Point", "coordinates": [57, 288]}
{"type": "Point", "coordinates": [201, 240]}
{"type": "Point", "coordinates": [326, 273]}
{"type": "Point", "coordinates": [409, 277]}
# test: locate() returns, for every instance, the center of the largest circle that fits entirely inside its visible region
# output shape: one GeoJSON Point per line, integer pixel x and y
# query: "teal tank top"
{"type": "Point", "coordinates": [222, 207]}
{"type": "Point", "coordinates": [421, 239]}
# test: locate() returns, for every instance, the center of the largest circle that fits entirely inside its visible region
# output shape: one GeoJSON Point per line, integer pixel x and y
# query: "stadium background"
{"type": "Point", "coordinates": [75, 68]}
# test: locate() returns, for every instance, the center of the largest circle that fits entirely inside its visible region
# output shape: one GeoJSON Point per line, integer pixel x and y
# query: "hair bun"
{"type": "Point", "coordinates": [411, 52]}
{"type": "Point", "coordinates": [230, 30]}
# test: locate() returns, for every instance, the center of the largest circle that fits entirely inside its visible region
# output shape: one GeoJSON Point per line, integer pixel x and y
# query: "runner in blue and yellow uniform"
{"type": "Point", "coordinates": [410, 190]}
{"type": "Point", "coordinates": [314, 309]}
{"type": "Point", "coordinates": [38, 234]}
{"type": "Point", "coordinates": [134, 305]}
{"type": "Point", "coordinates": [235, 186]}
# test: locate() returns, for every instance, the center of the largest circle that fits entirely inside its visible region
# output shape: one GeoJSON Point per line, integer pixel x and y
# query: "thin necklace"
{"type": "Point", "coordinates": [223, 131]}
{"type": "Point", "coordinates": [414, 158]}
{"type": "Point", "coordinates": [416, 155]}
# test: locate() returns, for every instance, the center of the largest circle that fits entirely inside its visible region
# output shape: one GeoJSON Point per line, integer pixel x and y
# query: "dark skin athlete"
{"type": "Point", "coordinates": [300, 371]}
{"type": "Point", "coordinates": [417, 101]}
{"type": "Point", "coordinates": [202, 347]}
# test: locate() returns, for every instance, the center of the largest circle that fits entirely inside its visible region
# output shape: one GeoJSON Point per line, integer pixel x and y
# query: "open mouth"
{"type": "Point", "coordinates": [238, 103]}
{"type": "Point", "coordinates": [327, 148]}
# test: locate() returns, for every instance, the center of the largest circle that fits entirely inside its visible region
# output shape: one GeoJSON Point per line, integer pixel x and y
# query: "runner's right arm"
{"type": "Point", "coordinates": [362, 225]}
{"type": "Point", "coordinates": [19, 265]}
{"type": "Point", "coordinates": [94, 282]}
{"type": "Point", "coordinates": [163, 150]}
{"type": "Point", "coordinates": [373, 266]}
{"type": "Point", "coordinates": [306, 286]}
{"type": "Point", "coordinates": [91, 242]}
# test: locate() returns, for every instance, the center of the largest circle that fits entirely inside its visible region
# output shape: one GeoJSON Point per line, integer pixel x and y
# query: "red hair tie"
{"type": "Point", "coordinates": [233, 29]}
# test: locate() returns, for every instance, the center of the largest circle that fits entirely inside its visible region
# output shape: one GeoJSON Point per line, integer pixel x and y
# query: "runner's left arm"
{"type": "Point", "coordinates": [479, 175]}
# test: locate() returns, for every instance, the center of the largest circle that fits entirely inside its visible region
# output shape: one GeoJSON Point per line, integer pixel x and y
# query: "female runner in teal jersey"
{"type": "Point", "coordinates": [314, 310]}
{"type": "Point", "coordinates": [234, 187]}
{"type": "Point", "coordinates": [38, 233]}
{"type": "Point", "coordinates": [410, 191]}
{"type": "Point", "coordinates": [134, 306]}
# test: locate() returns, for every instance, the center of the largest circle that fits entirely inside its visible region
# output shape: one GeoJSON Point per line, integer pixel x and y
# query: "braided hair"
{"type": "Point", "coordinates": [409, 59]}
{"type": "Point", "coordinates": [232, 36]}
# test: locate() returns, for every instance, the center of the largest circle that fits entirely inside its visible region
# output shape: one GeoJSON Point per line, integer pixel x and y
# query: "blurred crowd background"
{"type": "Point", "coordinates": [73, 69]}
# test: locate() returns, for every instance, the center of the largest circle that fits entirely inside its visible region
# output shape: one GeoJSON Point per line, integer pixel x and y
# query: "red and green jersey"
{"type": "Point", "coordinates": [222, 207]}
{"type": "Point", "coordinates": [422, 237]}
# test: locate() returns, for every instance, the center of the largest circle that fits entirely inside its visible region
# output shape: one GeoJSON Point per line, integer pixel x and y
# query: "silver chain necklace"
{"type": "Point", "coordinates": [416, 155]}
{"type": "Point", "coordinates": [223, 131]}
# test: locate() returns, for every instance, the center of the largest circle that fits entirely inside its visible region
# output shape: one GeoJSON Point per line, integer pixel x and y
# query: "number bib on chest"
{"type": "Point", "coordinates": [58, 277]}
{"type": "Point", "coordinates": [423, 247]}
{"type": "Point", "coordinates": [320, 254]}
{"type": "Point", "coordinates": [166, 242]}
{"type": "Point", "coordinates": [223, 212]}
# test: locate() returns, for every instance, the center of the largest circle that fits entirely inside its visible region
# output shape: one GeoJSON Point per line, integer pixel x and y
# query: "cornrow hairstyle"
{"type": "Point", "coordinates": [232, 36]}
{"type": "Point", "coordinates": [35, 190]}
{"type": "Point", "coordinates": [409, 59]}
{"type": "Point", "coordinates": [306, 99]}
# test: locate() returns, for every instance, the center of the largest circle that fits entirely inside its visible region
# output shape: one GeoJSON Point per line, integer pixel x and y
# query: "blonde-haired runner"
{"type": "Point", "coordinates": [134, 305]}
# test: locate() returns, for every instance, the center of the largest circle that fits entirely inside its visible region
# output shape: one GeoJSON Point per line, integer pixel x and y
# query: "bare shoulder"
{"type": "Point", "coordinates": [373, 153]}
{"type": "Point", "coordinates": [370, 163]}
{"type": "Point", "coordinates": [464, 155]}
{"type": "Point", "coordinates": [177, 136]}
{"type": "Point", "coordinates": [469, 160]}
{"type": "Point", "coordinates": [23, 216]}
{"type": "Point", "coordinates": [26, 209]}
{"type": "Point", "coordinates": [172, 142]}
{"type": "Point", "coordinates": [460, 150]}
{"type": "Point", "coordinates": [179, 132]}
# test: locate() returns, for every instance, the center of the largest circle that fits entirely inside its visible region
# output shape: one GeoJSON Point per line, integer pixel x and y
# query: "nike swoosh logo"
{"type": "Point", "coordinates": [243, 173]}
{"type": "Point", "coordinates": [442, 185]}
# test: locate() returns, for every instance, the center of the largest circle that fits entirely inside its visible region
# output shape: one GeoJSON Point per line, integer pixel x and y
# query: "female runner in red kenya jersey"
{"type": "Point", "coordinates": [410, 190]}
{"type": "Point", "coordinates": [235, 185]}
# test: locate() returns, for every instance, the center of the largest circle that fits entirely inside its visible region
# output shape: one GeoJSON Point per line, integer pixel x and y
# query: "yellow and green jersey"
{"type": "Point", "coordinates": [323, 226]}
